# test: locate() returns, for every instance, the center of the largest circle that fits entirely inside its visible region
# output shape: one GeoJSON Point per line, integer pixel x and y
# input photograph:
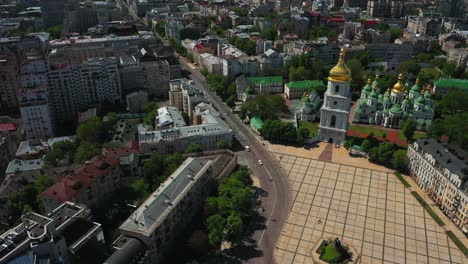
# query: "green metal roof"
{"type": "Point", "coordinates": [265, 80]}
{"type": "Point", "coordinates": [452, 83]}
{"type": "Point", "coordinates": [304, 84]}
{"type": "Point", "coordinates": [256, 122]}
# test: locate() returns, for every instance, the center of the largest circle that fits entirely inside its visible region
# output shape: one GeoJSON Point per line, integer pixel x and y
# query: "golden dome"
{"type": "Point", "coordinates": [341, 72]}
{"type": "Point", "coordinates": [399, 87]}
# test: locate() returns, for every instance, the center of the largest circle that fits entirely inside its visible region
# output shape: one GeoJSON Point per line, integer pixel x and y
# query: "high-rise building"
{"type": "Point", "coordinates": [53, 12]}
{"type": "Point", "coordinates": [451, 8]}
{"type": "Point", "coordinates": [9, 80]}
{"type": "Point", "coordinates": [34, 98]}
{"type": "Point", "coordinates": [334, 113]}
{"type": "Point", "coordinates": [385, 8]}
{"type": "Point", "coordinates": [75, 87]}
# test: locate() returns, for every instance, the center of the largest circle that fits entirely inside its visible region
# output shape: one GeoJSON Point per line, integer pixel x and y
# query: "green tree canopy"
{"type": "Point", "coordinates": [194, 147]}
{"type": "Point", "coordinates": [400, 161]}
{"type": "Point", "coordinates": [408, 128]}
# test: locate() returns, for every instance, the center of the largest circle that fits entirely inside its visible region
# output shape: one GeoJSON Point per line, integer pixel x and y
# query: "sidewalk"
{"type": "Point", "coordinates": [449, 225]}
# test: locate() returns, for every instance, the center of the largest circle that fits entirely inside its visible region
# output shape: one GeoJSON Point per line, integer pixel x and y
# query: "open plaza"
{"type": "Point", "coordinates": [368, 209]}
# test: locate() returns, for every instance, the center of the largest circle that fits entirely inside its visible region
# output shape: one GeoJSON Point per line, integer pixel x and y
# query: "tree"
{"type": "Point", "coordinates": [366, 145]}
{"type": "Point", "coordinates": [221, 144]}
{"type": "Point", "coordinates": [193, 148]}
{"type": "Point", "coordinates": [385, 152]}
{"type": "Point", "coordinates": [153, 168]}
{"type": "Point", "coordinates": [204, 71]}
{"type": "Point", "coordinates": [395, 32]}
{"type": "Point", "coordinates": [349, 143]}
{"type": "Point", "coordinates": [231, 101]}
{"type": "Point", "coordinates": [410, 66]}
{"type": "Point", "coordinates": [43, 182]}
{"type": "Point", "coordinates": [140, 187]}
{"type": "Point", "coordinates": [408, 128]}
{"type": "Point", "coordinates": [86, 150]}
{"type": "Point", "coordinates": [302, 135]}
{"type": "Point", "coordinates": [234, 228]}
{"type": "Point", "coordinates": [55, 31]}
{"type": "Point", "coordinates": [449, 68]}
{"type": "Point", "coordinates": [400, 161]}
{"type": "Point", "coordinates": [90, 131]}
{"type": "Point", "coordinates": [151, 106]}
{"type": "Point", "coordinates": [150, 118]}
{"type": "Point", "coordinates": [112, 118]}
{"type": "Point", "coordinates": [423, 57]}
{"type": "Point", "coordinates": [60, 150]}
{"type": "Point", "coordinates": [215, 225]}
{"type": "Point", "coordinates": [270, 34]}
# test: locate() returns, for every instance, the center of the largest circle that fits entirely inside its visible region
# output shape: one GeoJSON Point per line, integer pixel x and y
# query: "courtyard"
{"type": "Point", "coordinates": [368, 209]}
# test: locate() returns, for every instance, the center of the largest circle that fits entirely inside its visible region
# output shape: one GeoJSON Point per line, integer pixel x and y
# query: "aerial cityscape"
{"type": "Point", "coordinates": [233, 131]}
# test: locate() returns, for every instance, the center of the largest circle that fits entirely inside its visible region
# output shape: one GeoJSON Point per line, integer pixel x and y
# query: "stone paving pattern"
{"type": "Point", "coordinates": [369, 209]}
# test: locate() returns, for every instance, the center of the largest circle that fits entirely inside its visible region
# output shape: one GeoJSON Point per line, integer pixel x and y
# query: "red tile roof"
{"type": "Point", "coordinates": [116, 153]}
{"type": "Point", "coordinates": [337, 19]}
{"type": "Point", "coordinates": [7, 127]}
{"type": "Point", "coordinates": [80, 179]}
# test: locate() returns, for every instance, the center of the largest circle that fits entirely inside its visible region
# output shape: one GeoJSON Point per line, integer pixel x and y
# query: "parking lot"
{"type": "Point", "coordinates": [367, 209]}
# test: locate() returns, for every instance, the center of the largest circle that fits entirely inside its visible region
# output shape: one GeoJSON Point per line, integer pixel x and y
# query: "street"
{"type": "Point", "coordinates": [273, 181]}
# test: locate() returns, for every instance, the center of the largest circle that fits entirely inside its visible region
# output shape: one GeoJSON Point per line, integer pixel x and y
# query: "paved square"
{"type": "Point", "coordinates": [368, 209]}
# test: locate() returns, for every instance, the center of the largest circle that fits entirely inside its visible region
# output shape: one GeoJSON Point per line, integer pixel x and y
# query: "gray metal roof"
{"type": "Point", "coordinates": [151, 213]}
{"type": "Point", "coordinates": [447, 156]}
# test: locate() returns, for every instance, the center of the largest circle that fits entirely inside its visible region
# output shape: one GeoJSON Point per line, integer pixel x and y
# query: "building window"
{"type": "Point", "coordinates": [335, 102]}
{"type": "Point", "coordinates": [337, 89]}
{"type": "Point", "coordinates": [333, 121]}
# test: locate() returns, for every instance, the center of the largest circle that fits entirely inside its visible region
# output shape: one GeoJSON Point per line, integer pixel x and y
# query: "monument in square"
{"type": "Point", "coordinates": [334, 114]}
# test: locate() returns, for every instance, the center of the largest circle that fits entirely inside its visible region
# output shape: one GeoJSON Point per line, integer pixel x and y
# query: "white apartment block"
{"type": "Point", "coordinates": [236, 66]}
{"type": "Point", "coordinates": [442, 172]}
{"type": "Point", "coordinates": [76, 87]}
{"type": "Point", "coordinates": [208, 131]}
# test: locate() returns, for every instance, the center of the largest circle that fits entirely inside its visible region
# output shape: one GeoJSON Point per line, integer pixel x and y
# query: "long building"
{"type": "Point", "coordinates": [151, 229]}
{"type": "Point", "coordinates": [442, 172]}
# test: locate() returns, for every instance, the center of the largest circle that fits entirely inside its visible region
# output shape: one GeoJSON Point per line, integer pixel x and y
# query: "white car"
{"type": "Point", "coordinates": [247, 148]}
{"type": "Point", "coordinates": [260, 162]}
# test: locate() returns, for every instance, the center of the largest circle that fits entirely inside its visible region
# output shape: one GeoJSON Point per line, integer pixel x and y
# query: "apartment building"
{"type": "Point", "coordinates": [34, 97]}
{"type": "Point", "coordinates": [75, 87]}
{"type": "Point", "coordinates": [442, 172]}
{"type": "Point", "coordinates": [207, 132]}
{"type": "Point", "coordinates": [185, 95]}
{"type": "Point", "coordinates": [62, 236]}
{"type": "Point", "coordinates": [9, 80]}
{"type": "Point", "coordinates": [152, 228]}
{"type": "Point", "coordinates": [90, 184]}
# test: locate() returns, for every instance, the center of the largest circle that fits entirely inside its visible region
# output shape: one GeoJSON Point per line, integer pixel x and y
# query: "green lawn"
{"type": "Point", "coordinates": [457, 242]}
{"type": "Point", "coordinates": [367, 130]}
{"type": "Point", "coordinates": [417, 135]}
{"type": "Point", "coordinates": [311, 126]}
{"type": "Point", "coordinates": [402, 179]}
{"type": "Point", "coordinates": [428, 208]}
